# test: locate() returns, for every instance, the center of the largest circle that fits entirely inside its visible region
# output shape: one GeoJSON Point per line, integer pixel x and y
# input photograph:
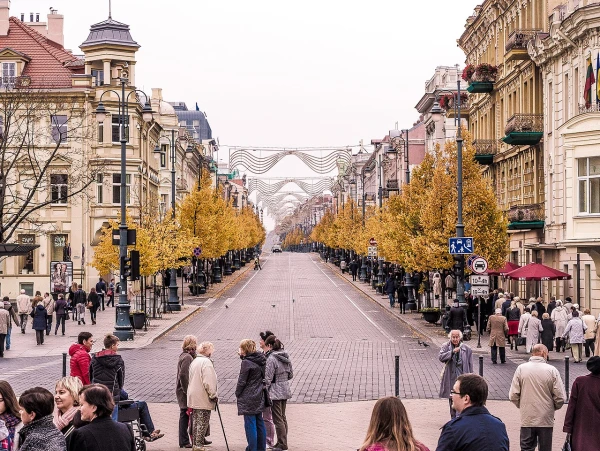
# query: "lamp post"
{"type": "Point", "coordinates": [436, 113]}
{"type": "Point", "coordinates": [123, 329]}
{"type": "Point", "coordinates": [173, 301]}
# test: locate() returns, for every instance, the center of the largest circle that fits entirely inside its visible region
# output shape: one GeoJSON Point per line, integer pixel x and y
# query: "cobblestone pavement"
{"type": "Point", "coordinates": [342, 342]}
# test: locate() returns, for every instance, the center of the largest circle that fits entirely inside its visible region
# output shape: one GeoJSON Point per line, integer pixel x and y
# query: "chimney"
{"type": "Point", "coordinates": [157, 94]}
{"type": "Point", "coordinates": [55, 27]}
{"type": "Point", "coordinates": [4, 15]}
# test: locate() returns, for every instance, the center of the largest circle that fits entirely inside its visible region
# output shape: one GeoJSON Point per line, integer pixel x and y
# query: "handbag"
{"type": "Point", "coordinates": [521, 341]}
{"type": "Point", "coordinates": [89, 304]}
{"type": "Point", "coordinates": [567, 445]}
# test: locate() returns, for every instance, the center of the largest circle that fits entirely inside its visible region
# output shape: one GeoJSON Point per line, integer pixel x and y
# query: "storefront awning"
{"type": "Point", "coordinates": [14, 249]}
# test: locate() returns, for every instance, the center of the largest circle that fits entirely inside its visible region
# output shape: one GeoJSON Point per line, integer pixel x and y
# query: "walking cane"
{"type": "Point", "coordinates": [222, 427]}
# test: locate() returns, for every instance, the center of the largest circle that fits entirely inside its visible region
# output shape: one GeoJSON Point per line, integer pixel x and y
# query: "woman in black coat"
{"type": "Point", "coordinates": [102, 433]}
{"type": "Point", "coordinates": [250, 394]}
{"type": "Point", "coordinates": [93, 304]}
{"type": "Point", "coordinates": [39, 315]}
{"type": "Point", "coordinates": [547, 335]}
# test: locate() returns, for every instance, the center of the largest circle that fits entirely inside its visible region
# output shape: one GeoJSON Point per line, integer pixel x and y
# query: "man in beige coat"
{"type": "Point", "coordinates": [202, 393]}
{"type": "Point", "coordinates": [24, 308]}
{"type": "Point", "coordinates": [537, 390]}
{"type": "Point", "coordinates": [498, 328]}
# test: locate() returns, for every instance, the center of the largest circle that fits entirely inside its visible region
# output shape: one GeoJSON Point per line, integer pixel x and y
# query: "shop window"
{"type": "Point", "coordinates": [26, 261]}
{"type": "Point", "coordinates": [58, 243]}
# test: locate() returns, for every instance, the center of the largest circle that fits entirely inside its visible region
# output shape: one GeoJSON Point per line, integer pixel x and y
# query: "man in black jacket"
{"type": "Point", "coordinates": [457, 317]}
{"type": "Point", "coordinates": [389, 288]}
{"type": "Point", "coordinates": [101, 290]}
{"type": "Point", "coordinates": [79, 301]}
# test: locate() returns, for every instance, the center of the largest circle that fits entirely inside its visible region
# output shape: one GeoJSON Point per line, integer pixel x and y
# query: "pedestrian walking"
{"type": "Point", "coordinates": [278, 373]}
{"type": "Point", "coordinates": [40, 323]}
{"type": "Point", "coordinates": [498, 329]}
{"type": "Point", "coordinates": [537, 390]}
{"type": "Point", "coordinates": [48, 303]}
{"type": "Point", "coordinates": [590, 333]}
{"type": "Point", "coordinates": [560, 318]}
{"type": "Point", "coordinates": [390, 428]}
{"type": "Point", "coordinates": [513, 317]}
{"type": "Point", "coordinates": [551, 305]}
{"type": "Point", "coordinates": [93, 304]}
{"type": "Point", "coordinates": [458, 359]}
{"type": "Point", "coordinates": [202, 395]}
{"type": "Point", "coordinates": [67, 415]}
{"type": "Point", "coordinates": [108, 368]}
{"type": "Point", "coordinates": [499, 301]}
{"type": "Point", "coordinates": [79, 302]}
{"type": "Point", "coordinates": [531, 331]}
{"type": "Point", "coordinates": [389, 288]}
{"type": "Point", "coordinates": [101, 291]}
{"type": "Point", "coordinates": [9, 413]}
{"type": "Point", "coordinates": [111, 293]}
{"type": "Point", "coordinates": [13, 318]}
{"type": "Point", "coordinates": [37, 299]}
{"type": "Point", "coordinates": [60, 308]}
{"type": "Point", "coordinates": [475, 429]}
{"type": "Point", "coordinates": [575, 331]}
{"type": "Point", "coordinates": [38, 432]}
{"type": "Point", "coordinates": [24, 308]}
{"type": "Point", "coordinates": [4, 325]}
{"type": "Point", "coordinates": [583, 411]}
{"type": "Point", "coordinates": [548, 333]}
{"type": "Point", "coordinates": [102, 433]}
{"type": "Point", "coordinates": [506, 305]}
{"type": "Point", "coordinates": [188, 354]}
{"type": "Point", "coordinates": [251, 395]}
{"type": "Point", "coordinates": [71, 300]}
{"type": "Point", "coordinates": [457, 318]}
{"type": "Point", "coordinates": [540, 307]}
{"type": "Point", "coordinates": [267, 413]}
{"type": "Point", "coordinates": [402, 296]}
{"type": "Point", "coordinates": [80, 357]}
{"type": "Point", "coordinates": [354, 269]}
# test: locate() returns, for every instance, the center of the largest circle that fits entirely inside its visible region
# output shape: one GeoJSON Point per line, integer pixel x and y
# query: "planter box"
{"type": "Point", "coordinates": [479, 87]}
{"type": "Point", "coordinates": [138, 320]}
{"type": "Point", "coordinates": [431, 317]}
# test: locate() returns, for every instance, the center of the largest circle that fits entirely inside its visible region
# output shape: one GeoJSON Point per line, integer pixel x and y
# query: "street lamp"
{"type": "Point", "coordinates": [436, 113]}
{"type": "Point", "coordinates": [173, 301]}
{"type": "Point", "coordinates": [123, 328]}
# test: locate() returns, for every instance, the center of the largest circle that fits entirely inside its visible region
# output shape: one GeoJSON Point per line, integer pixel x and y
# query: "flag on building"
{"type": "Point", "coordinates": [589, 82]}
{"type": "Point", "coordinates": [598, 79]}
{"type": "Point", "coordinates": [197, 107]}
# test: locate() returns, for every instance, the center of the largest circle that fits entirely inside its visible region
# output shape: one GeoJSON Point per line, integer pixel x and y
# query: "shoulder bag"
{"type": "Point", "coordinates": [268, 402]}
{"type": "Point", "coordinates": [567, 445]}
{"type": "Point", "coordinates": [521, 340]}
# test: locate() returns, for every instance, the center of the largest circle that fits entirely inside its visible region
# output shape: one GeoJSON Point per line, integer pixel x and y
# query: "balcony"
{"type": "Point", "coordinates": [524, 129]}
{"type": "Point", "coordinates": [526, 217]}
{"type": "Point", "coordinates": [516, 46]}
{"type": "Point", "coordinates": [485, 149]}
{"type": "Point", "coordinates": [480, 87]}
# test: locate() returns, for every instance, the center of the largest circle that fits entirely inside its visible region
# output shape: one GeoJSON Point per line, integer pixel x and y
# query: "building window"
{"type": "Point", "coordinates": [101, 132]}
{"type": "Point", "coordinates": [99, 75]}
{"type": "Point", "coordinates": [100, 188]}
{"type": "Point", "coordinates": [9, 72]}
{"type": "Point", "coordinates": [164, 149]}
{"type": "Point", "coordinates": [58, 244]}
{"type": "Point", "coordinates": [27, 286]}
{"type": "Point", "coordinates": [116, 136]}
{"type": "Point", "coordinates": [26, 261]}
{"type": "Point", "coordinates": [588, 177]}
{"type": "Point", "coordinates": [59, 188]}
{"type": "Point", "coordinates": [116, 179]}
{"type": "Point", "coordinates": [59, 128]}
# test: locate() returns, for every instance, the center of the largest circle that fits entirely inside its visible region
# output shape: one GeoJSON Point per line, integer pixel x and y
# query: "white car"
{"type": "Point", "coordinates": [276, 248]}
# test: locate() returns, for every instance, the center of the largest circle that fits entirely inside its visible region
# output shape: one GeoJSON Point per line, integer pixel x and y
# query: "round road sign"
{"type": "Point", "coordinates": [372, 242]}
{"type": "Point", "coordinates": [479, 265]}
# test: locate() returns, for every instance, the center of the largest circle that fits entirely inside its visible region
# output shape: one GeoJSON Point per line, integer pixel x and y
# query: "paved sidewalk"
{"type": "Point", "coordinates": [24, 345]}
{"type": "Point", "coordinates": [337, 426]}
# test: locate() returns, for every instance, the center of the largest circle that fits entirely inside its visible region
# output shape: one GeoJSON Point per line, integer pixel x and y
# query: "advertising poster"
{"type": "Point", "coordinates": [61, 276]}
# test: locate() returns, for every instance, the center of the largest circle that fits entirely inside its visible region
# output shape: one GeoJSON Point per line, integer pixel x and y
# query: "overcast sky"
{"type": "Point", "coordinates": [283, 73]}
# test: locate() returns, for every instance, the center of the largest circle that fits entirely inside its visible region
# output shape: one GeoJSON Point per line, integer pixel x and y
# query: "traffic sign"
{"type": "Point", "coordinates": [197, 251]}
{"type": "Point", "coordinates": [470, 259]}
{"type": "Point", "coordinates": [479, 265]}
{"type": "Point", "coordinates": [460, 245]}
{"type": "Point", "coordinates": [372, 251]}
{"type": "Point", "coordinates": [480, 291]}
{"type": "Point", "coordinates": [479, 280]}
{"type": "Point", "coordinates": [372, 242]}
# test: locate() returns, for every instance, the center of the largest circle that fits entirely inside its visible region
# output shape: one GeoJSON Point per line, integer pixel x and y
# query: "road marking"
{"type": "Point", "coordinates": [229, 301]}
{"type": "Point", "coordinates": [379, 328]}
{"type": "Point", "coordinates": [250, 280]}
{"type": "Point", "coordinates": [209, 301]}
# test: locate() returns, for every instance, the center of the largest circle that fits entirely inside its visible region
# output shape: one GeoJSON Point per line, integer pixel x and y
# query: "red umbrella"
{"type": "Point", "coordinates": [508, 267]}
{"type": "Point", "coordinates": [537, 271]}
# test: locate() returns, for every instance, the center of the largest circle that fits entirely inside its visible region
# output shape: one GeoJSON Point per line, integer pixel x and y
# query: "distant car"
{"type": "Point", "coordinates": [276, 248]}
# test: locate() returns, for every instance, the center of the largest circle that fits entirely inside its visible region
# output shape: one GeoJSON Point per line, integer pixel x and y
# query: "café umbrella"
{"type": "Point", "coordinates": [537, 271]}
{"type": "Point", "coordinates": [508, 267]}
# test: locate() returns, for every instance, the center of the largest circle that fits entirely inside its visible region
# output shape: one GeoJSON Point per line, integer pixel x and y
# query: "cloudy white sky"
{"type": "Point", "coordinates": [283, 73]}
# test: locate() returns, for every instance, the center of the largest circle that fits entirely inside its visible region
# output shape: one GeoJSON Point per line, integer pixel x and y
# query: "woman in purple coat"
{"type": "Point", "coordinates": [584, 410]}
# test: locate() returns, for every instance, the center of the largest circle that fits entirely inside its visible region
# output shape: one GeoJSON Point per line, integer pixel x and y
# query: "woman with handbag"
{"type": "Point", "coordinates": [93, 303]}
{"type": "Point", "coordinates": [251, 394]}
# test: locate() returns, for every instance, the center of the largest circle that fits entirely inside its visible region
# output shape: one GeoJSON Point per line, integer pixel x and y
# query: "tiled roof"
{"type": "Point", "coordinates": [109, 32]}
{"type": "Point", "coordinates": [47, 68]}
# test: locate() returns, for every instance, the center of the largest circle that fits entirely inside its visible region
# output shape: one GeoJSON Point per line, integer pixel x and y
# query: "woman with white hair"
{"type": "Point", "coordinates": [559, 317]}
{"type": "Point", "coordinates": [458, 359]}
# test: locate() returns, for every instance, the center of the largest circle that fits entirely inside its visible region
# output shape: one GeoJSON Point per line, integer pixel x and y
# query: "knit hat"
{"type": "Point", "coordinates": [593, 365]}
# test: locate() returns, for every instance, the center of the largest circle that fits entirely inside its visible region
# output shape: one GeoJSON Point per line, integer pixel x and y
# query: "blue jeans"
{"type": "Point", "coordinates": [145, 417]}
{"type": "Point", "coordinates": [256, 434]}
{"type": "Point", "coordinates": [392, 300]}
{"type": "Point", "coordinates": [8, 338]}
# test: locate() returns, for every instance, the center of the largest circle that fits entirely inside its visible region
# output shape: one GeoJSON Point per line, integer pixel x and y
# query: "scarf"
{"type": "Point", "coordinates": [62, 420]}
{"type": "Point", "coordinates": [11, 422]}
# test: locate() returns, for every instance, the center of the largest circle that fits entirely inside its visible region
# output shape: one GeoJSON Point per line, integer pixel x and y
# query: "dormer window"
{"type": "Point", "coordinates": [9, 73]}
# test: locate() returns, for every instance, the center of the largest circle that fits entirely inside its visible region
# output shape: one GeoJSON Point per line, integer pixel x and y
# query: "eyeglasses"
{"type": "Point", "coordinates": [452, 392]}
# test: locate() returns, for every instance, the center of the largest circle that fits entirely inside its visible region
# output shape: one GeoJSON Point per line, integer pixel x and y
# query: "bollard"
{"type": "Point", "coordinates": [481, 365]}
{"type": "Point", "coordinates": [64, 364]}
{"type": "Point", "coordinates": [397, 374]}
{"type": "Point", "coordinates": [567, 378]}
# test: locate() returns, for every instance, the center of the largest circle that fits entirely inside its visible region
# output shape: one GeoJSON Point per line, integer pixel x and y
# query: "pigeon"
{"type": "Point", "coordinates": [419, 341]}
{"type": "Point", "coordinates": [425, 344]}
{"type": "Point", "coordinates": [273, 305]}
{"type": "Point", "coordinates": [226, 306]}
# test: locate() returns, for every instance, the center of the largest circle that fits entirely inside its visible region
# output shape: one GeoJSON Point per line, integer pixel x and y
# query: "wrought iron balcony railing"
{"type": "Point", "coordinates": [525, 123]}
{"type": "Point", "coordinates": [485, 146]}
{"type": "Point", "coordinates": [518, 39]}
{"type": "Point", "coordinates": [531, 212]}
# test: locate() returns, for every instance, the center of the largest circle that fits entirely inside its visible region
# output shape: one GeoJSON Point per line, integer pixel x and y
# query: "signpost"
{"type": "Point", "coordinates": [460, 245]}
{"type": "Point", "coordinates": [480, 286]}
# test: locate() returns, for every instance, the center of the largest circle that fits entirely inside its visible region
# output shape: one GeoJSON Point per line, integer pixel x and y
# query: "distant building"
{"type": "Point", "coordinates": [195, 121]}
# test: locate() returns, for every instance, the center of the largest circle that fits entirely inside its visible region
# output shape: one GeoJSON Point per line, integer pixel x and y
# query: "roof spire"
{"type": "Point", "coordinates": [109, 9]}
